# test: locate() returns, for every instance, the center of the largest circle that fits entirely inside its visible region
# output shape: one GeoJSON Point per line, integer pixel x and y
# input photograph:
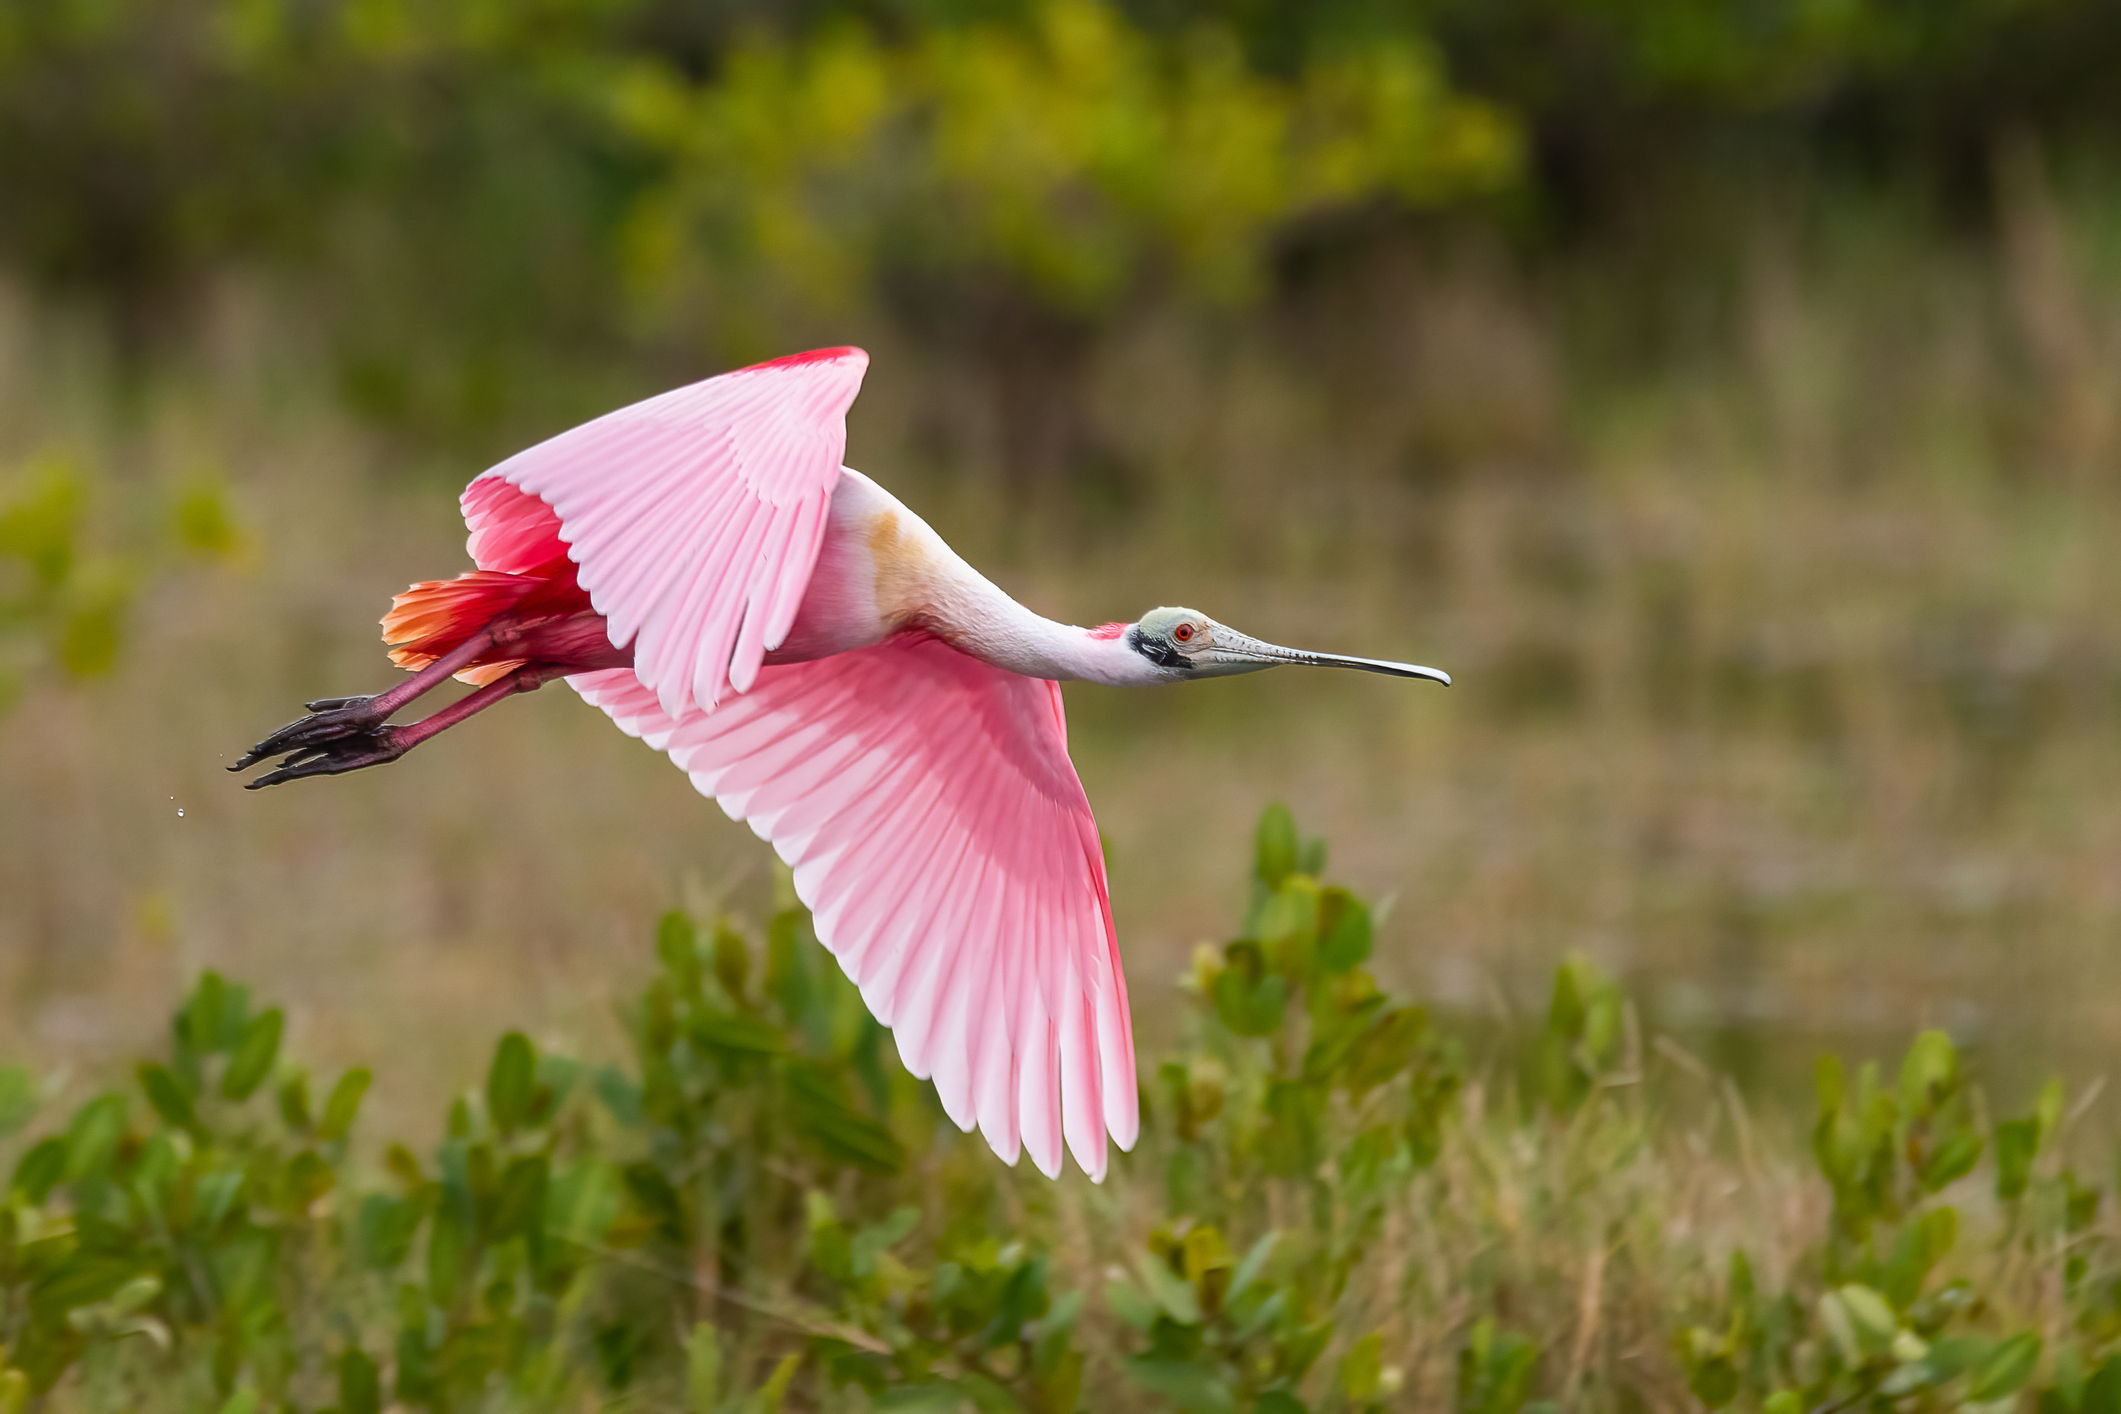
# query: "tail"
{"type": "Point", "coordinates": [524, 570]}
{"type": "Point", "coordinates": [437, 615]}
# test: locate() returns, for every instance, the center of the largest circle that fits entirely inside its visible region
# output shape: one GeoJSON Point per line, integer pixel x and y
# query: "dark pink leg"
{"type": "Point", "coordinates": [384, 744]}
{"type": "Point", "coordinates": [331, 718]}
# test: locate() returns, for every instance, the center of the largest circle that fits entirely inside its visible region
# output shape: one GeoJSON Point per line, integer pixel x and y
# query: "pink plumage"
{"type": "Point", "coordinates": [695, 516]}
{"type": "Point", "coordinates": [802, 645]}
{"type": "Point", "coordinates": [924, 799]}
{"type": "Point", "coordinates": [938, 833]}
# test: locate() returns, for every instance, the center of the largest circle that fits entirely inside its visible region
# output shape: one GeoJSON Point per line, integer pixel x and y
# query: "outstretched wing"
{"type": "Point", "coordinates": [694, 518]}
{"type": "Point", "coordinates": [937, 831]}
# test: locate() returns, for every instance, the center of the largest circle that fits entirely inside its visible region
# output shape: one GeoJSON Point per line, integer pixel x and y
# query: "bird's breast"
{"type": "Point", "coordinates": [863, 588]}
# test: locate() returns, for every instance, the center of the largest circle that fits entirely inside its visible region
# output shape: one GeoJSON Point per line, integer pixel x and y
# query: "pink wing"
{"type": "Point", "coordinates": [694, 517]}
{"type": "Point", "coordinates": [943, 843]}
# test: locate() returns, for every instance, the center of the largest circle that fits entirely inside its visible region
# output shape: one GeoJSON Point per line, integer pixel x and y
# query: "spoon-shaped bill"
{"type": "Point", "coordinates": [1241, 648]}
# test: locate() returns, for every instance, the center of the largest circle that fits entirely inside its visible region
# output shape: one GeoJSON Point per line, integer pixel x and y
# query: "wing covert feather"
{"type": "Point", "coordinates": [694, 518]}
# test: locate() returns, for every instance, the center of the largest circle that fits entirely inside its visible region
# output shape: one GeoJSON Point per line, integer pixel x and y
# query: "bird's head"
{"type": "Point", "coordinates": [1180, 644]}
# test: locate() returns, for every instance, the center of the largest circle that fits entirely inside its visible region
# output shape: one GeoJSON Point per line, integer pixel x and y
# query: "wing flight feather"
{"type": "Point", "coordinates": [938, 833]}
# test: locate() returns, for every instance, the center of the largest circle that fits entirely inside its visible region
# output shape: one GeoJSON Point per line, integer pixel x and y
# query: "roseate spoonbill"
{"type": "Point", "coordinates": [703, 568]}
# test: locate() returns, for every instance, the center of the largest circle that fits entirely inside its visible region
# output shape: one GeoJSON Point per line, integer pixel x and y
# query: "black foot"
{"type": "Point", "coordinates": [336, 757]}
{"type": "Point", "coordinates": [329, 719]}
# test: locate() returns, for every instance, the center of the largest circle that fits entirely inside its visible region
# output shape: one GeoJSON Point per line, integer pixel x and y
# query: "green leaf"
{"type": "Point", "coordinates": [743, 1035]}
{"type": "Point", "coordinates": [1922, 1243]}
{"type": "Point", "coordinates": [2017, 1143]}
{"type": "Point", "coordinates": [202, 523]}
{"type": "Point", "coordinates": [2102, 1392]}
{"type": "Point", "coordinates": [1249, 1000]}
{"type": "Point", "coordinates": [1361, 1375]}
{"type": "Point", "coordinates": [82, 1280]}
{"type": "Point", "coordinates": [384, 1228]}
{"type": "Point", "coordinates": [93, 626]}
{"type": "Point", "coordinates": [1203, 1251]}
{"type": "Point", "coordinates": [2006, 1370]}
{"type": "Point", "coordinates": [168, 1097]}
{"type": "Point", "coordinates": [254, 1054]}
{"type": "Point", "coordinates": [1713, 1381]}
{"type": "Point", "coordinates": [703, 1369]}
{"type": "Point", "coordinates": [308, 1179]}
{"type": "Point", "coordinates": [519, 1200]}
{"type": "Point", "coordinates": [1387, 1047]}
{"type": "Point", "coordinates": [344, 1105]}
{"type": "Point", "coordinates": [1344, 930]}
{"type": "Point", "coordinates": [620, 1094]}
{"type": "Point", "coordinates": [1495, 1370]}
{"type": "Point", "coordinates": [1871, 1318]}
{"type": "Point", "coordinates": [1190, 1384]}
{"type": "Point", "coordinates": [1952, 1159]}
{"type": "Point", "coordinates": [1170, 1291]}
{"type": "Point", "coordinates": [1130, 1305]}
{"type": "Point", "coordinates": [1058, 1378]}
{"type": "Point", "coordinates": [732, 962]}
{"type": "Point", "coordinates": [1928, 1072]}
{"type": "Point", "coordinates": [39, 1171]}
{"type": "Point", "coordinates": [655, 1200]}
{"type": "Point", "coordinates": [771, 1394]}
{"type": "Point", "coordinates": [819, 1112]}
{"type": "Point", "coordinates": [1275, 846]}
{"type": "Point", "coordinates": [18, 1098]}
{"type": "Point", "coordinates": [1255, 1262]}
{"type": "Point", "coordinates": [93, 1134]}
{"type": "Point", "coordinates": [2048, 1108]}
{"type": "Point", "coordinates": [510, 1082]}
{"type": "Point", "coordinates": [448, 1255]}
{"type": "Point", "coordinates": [1293, 1142]}
{"type": "Point", "coordinates": [294, 1103]}
{"type": "Point", "coordinates": [215, 1196]}
{"type": "Point", "coordinates": [212, 1018]}
{"type": "Point", "coordinates": [677, 947]}
{"type": "Point", "coordinates": [924, 1397]}
{"type": "Point", "coordinates": [360, 1385]}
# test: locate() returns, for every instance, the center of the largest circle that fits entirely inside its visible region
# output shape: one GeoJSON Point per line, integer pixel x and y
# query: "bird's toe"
{"type": "Point", "coordinates": [330, 719]}
{"type": "Point", "coordinates": [335, 757]}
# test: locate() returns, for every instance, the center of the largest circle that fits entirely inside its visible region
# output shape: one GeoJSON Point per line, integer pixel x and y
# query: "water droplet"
{"type": "Point", "coordinates": [180, 810]}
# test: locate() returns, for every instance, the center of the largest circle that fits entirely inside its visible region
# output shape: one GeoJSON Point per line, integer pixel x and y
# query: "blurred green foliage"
{"type": "Point", "coordinates": [546, 168]}
{"type": "Point", "coordinates": [1069, 153]}
{"type": "Point", "coordinates": [761, 1208]}
{"type": "Point", "coordinates": [484, 184]}
{"type": "Point", "coordinates": [72, 564]}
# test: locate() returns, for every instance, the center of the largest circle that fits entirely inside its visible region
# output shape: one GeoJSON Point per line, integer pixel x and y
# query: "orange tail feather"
{"type": "Point", "coordinates": [437, 615]}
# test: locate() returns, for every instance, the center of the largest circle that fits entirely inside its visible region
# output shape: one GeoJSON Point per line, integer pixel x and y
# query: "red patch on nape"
{"type": "Point", "coordinates": [1109, 630]}
{"type": "Point", "coordinates": [814, 356]}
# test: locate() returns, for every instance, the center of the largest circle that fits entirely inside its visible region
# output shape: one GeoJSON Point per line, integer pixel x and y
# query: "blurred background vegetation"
{"type": "Point", "coordinates": [1723, 389]}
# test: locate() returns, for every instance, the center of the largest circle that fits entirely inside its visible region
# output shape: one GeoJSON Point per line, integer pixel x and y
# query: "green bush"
{"type": "Point", "coordinates": [1332, 1208]}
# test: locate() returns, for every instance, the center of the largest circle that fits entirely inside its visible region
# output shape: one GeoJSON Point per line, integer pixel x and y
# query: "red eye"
{"type": "Point", "coordinates": [1183, 633]}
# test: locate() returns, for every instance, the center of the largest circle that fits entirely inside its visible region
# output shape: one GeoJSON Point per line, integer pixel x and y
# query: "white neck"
{"type": "Point", "coordinates": [909, 578]}
{"type": "Point", "coordinates": [996, 629]}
